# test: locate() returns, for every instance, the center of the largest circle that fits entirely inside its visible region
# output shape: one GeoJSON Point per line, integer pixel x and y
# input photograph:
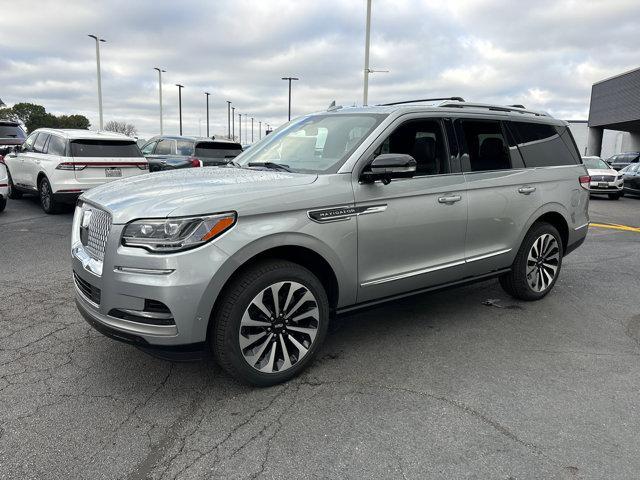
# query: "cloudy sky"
{"type": "Point", "coordinates": [544, 54]}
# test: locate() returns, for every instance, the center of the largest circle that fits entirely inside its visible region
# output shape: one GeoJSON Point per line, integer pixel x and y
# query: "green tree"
{"type": "Point", "coordinates": [32, 116]}
{"type": "Point", "coordinates": [73, 121]}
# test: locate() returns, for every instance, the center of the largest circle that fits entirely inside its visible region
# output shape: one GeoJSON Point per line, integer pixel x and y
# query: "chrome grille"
{"type": "Point", "coordinates": [603, 178]}
{"type": "Point", "coordinates": [98, 231]}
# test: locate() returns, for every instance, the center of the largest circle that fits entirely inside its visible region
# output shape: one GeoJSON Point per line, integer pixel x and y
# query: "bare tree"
{"type": "Point", "coordinates": [128, 129]}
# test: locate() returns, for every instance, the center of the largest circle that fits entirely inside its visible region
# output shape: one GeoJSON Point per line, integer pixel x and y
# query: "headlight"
{"type": "Point", "coordinates": [176, 234]}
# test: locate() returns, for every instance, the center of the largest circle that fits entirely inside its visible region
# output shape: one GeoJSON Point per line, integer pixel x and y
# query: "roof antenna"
{"type": "Point", "coordinates": [333, 106]}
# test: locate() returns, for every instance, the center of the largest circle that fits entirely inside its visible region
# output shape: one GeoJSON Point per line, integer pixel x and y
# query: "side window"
{"type": "Point", "coordinates": [57, 146]}
{"type": "Point", "coordinates": [28, 143]}
{"type": "Point", "coordinates": [424, 141]}
{"type": "Point", "coordinates": [184, 147]}
{"type": "Point", "coordinates": [38, 146]}
{"type": "Point", "coordinates": [543, 145]}
{"type": "Point", "coordinates": [486, 146]}
{"type": "Point", "coordinates": [165, 147]}
{"type": "Point", "coordinates": [148, 148]}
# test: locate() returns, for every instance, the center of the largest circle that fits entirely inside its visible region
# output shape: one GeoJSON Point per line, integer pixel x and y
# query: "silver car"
{"type": "Point", "coordinates": [332, 212]}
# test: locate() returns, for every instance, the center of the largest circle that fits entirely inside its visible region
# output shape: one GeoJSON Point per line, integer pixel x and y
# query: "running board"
{"type": "Point", "coordinates": [442, 286]}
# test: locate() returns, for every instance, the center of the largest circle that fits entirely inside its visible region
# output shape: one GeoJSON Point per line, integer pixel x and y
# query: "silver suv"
{"type": "Point", "coordinates": [332, 212]}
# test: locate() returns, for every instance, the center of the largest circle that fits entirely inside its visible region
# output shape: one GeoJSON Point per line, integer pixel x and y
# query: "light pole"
{"type": "Point", "coordinates": [289, 79]}
{"type": "Point", "coordinates": [259, 130]}
{"type": "Point", "coordinates": [233, 124]}
{"type": "Point", "coordinates": [240, 128]}
{"type": "Point", "coordinates": [98, 40]}
{"type": "Point", "coordinates": [207, 94]}
{"type": "Point", "coordinates": [228, 119]}
{"type": "Point", "coordinates": [251, 129]}
{"type": "Point", "coordinates": [246, 136]}
{"type": "Point", "coordinates": [365, 95]}
{"type": "Point", "coordinates": [180, 87]}
{"type": "Point", "coordinates": [160, 72]}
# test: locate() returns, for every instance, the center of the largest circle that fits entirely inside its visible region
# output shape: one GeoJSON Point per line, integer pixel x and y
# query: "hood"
{"type": "Point", "coordinates": [602, 171]}
{"type": "Point", "coordinates": [192, 191]}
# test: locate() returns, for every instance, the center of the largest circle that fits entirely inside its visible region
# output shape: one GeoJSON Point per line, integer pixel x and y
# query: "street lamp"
{"type": "Point", "coordinates": [233, 124]}
{"type": "Point", "coordinates": [228, 119]}
{"type": "Point", "coordinates": [367, 70]}
{"type": "Point", "coordinates": [207, 94]}
{"type": "Point", "coordinates": [98, 40]}
{"type": "Point", "coordinates": [160, 72]}
{"type": "Point", "coordinates": [251, 129]}
{"type": "Point", "coordinates": [289, 79]}
{"type": "Point", "coordinates": [180, 87]}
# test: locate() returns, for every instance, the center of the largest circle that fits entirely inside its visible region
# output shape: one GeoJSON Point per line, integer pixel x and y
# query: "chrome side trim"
{"type": "Point", "coordinates": [488, 255]}
{"type": "Point", "coordinates": [422, 271]}
{"type": "Point", "coordinates": [143, 271]}
{"type": "Point", "coordinates": [336, 214]}
{"type": "Point", "coordinates": [582, 226]}
{"type": "Point", "coordinates": [413, 273]}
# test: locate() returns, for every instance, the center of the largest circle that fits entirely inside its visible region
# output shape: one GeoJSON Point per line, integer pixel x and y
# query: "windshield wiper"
{"type": "Point", "coordinates": [271, 165]}
{"type": "Point", "coordinates": [233, 163]}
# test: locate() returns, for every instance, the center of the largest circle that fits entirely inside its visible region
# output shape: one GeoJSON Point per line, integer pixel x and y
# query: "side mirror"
{"type": "Point", "coordinates": [389, 165]}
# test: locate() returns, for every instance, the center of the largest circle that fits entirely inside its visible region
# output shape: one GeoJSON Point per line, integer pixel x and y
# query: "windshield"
{"type": "Point", "coordinates": [313, 144]}
{"type": "Point", "coordinates": [595, 163]}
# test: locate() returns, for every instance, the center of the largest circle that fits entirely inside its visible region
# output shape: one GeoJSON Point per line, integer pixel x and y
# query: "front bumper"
{"type": "Point", "coordinates": [605, 187]}
{"type": "Point", "coordinates": [128, 278]}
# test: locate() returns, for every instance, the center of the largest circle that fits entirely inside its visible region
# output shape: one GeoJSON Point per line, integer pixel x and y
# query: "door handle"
{"type": "Point", "coordinates": [526, 190]}
{"type": "Point", "coordinates": [450, 199]}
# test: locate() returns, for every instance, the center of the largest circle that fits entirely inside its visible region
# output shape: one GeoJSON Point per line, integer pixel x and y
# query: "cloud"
{"type": "Point", "coordinates": [544, 54]}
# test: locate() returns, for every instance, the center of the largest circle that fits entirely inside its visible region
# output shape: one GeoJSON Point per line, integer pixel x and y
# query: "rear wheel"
{"type": "Point", "coordinates": [47, 200]}
{"type": "Point", "coordinates": [271, 322]}
{"type": "Point", "coordinates": [14, 194]}
{"type": "Point", "coordinates": [537, 265]}
{"type": "Point", "coordinates": [614, 196]}
{"type": "Point", "coordinates": [3, 203]}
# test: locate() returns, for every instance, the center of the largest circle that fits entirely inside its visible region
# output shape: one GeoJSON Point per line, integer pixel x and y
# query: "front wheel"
{"type": "Point", "coordinates": [270, 323]}
{"type": "Point", "coordinates": [537, 265]}
{"type": "Point", "coordinates": [47, 201]}
{"type": "Point", "coordinates": [3, 203]}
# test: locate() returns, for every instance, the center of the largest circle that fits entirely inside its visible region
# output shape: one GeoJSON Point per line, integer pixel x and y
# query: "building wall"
{"type": "Point", "coordinates": [612, 141]}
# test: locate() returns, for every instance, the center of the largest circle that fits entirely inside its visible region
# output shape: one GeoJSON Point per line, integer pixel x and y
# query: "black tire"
{"type": "Point", "coordinates": [614, 196]}
{"type": "Point", "coordinates": [239, 296]}
{"type": "Point", "coordinates": [3, 203]}
{"type": "Point", "coordinates": [14, 194]}
{"type": "Point", "coordinates": [47, 199]}
{"type": "Point", "coordinates": [516, 282]}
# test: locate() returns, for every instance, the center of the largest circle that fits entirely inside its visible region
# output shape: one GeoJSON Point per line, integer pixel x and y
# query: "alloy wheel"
{"type": "Point", "coordinates": [543, 262]}
{"type": "Point", "coordinates": [279, 327]}
{"type": "Point", "coordinates": [45, 195]}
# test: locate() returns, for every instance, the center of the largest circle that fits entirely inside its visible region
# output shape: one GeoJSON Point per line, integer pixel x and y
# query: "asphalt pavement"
{"type": "Point", "coordinates": [464, 383]}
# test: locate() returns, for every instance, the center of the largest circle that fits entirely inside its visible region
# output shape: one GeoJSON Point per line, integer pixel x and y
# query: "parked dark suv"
{"type": "Point", "coordinates": [171, 152]}
{"type": "Point", "coordinates": [11, 135]}
{"type": "Point", "coordinates": [621, 160]}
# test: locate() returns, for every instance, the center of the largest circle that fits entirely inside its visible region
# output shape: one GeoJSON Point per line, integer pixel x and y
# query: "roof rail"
{"type": "Point", "coordinates": [458, 99]}
{"type": "Point", "coordinates": [496, 108]}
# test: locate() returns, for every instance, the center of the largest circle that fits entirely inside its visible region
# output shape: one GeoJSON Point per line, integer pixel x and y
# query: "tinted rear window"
{"type": "Point", "coordinates": [104, 148]}
{"type": "Point", "coordinates": [217, 150]}
{"type": "Point", "coordinates": [543, 145]}
{"type": "Point", "coordinates": [11, 131]}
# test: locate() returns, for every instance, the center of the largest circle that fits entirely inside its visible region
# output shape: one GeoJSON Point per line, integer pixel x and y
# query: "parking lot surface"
{"type": "Point", "coordinates": [465, 383]}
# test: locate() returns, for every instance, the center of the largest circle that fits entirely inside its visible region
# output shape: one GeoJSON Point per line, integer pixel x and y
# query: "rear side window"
{"type": "Point", "coordinates": [11, 131]}
{"type": "Point", "coordinates": [486, 146]}
{"type": "Point", "coordinates": [184, 147]}
{"type": "Point", "coordinates": [56, 146]}
{"type": "Point", "coordinates": [543, 145]}
{"type": "Point", "coordinates": [104, 148]}
{"type": "Point", "coordinates": [38, 146]}
{"type": "Point", "coordinates": [217, 150]}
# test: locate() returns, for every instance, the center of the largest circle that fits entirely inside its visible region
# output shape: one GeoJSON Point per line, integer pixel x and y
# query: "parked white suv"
{"type": "Point", "coordinates": [59, 165]}
{"type": "Point", "coordinates": [604, 179]}
{"type": "Point", "coordinates": [4, 186]}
